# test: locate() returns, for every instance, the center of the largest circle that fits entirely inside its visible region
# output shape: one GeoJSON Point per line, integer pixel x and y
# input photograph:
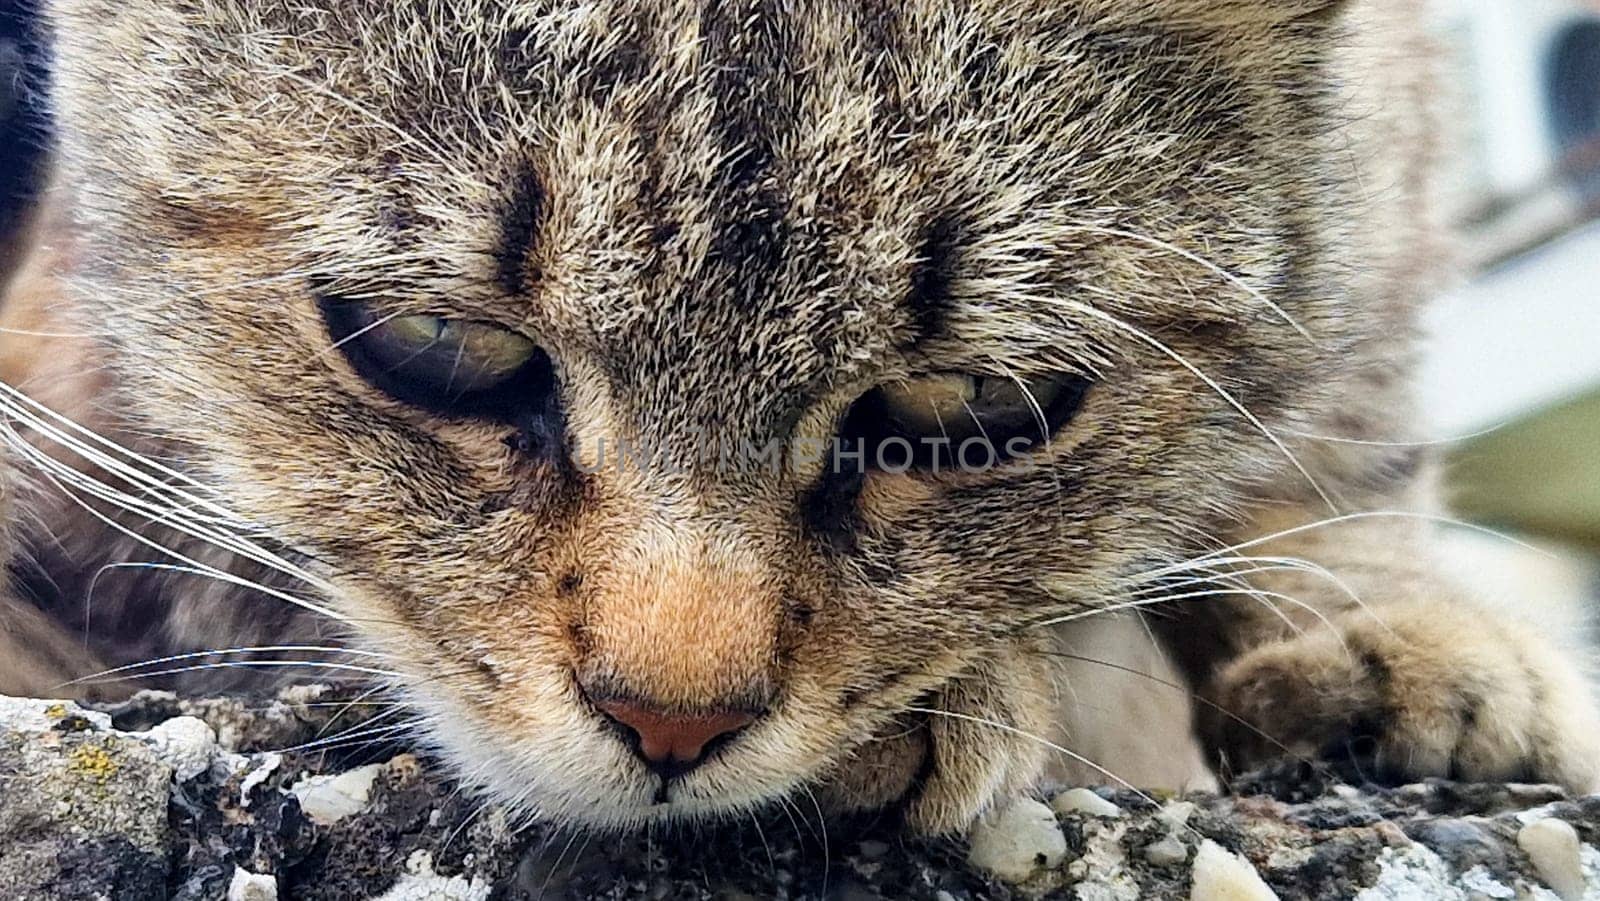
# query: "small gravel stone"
{"type": "Point", "coordinates": [1461, 842]}
{"type": "Point", "coordinates": [1017, 841]}
{"type": "Point", "coordinates": [1553, 847]}
{"type": "Point", "coordinates": [1168, 852]}
{"type": "Point", "coordinates": [1082, 800]}
{"type": "Point", "coordinates": [184, 743]}
{"type": "Point", "coordinates": [1221, 876]}
{"type": "Point", "coordinates": [256, 773]}
{"type": "Point", "coordinates": [421, 883]}
{"type": "Point", "coordinates": [248, 886]}
{"type": "Point", "coordinates": [329, 799]}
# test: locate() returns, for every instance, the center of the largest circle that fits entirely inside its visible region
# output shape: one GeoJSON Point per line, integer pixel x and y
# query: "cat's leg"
{"type": "Point", "coordinates": [1400, 669]}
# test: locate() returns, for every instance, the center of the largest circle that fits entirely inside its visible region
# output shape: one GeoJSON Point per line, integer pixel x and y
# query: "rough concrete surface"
{"type": "Point", "coordinates": [165, 798]}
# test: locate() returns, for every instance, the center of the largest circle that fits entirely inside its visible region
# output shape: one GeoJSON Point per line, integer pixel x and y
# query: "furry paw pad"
{"type": "Point", "coordinates": [1421, 692]}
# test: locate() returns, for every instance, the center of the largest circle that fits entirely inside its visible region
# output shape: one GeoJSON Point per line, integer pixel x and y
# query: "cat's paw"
{"type": "Point", "coordinates": [950, 757]}
{"type": "Point", "coordinates": [939, 774]}
{"type": "Point", "coordinates": [1412, 692]}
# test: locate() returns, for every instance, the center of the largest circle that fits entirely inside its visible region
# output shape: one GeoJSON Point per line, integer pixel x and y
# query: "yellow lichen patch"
{"type": "Point", "coordinates": [56, 711]}
{"type": "Point", "coordinates": [94, 762]}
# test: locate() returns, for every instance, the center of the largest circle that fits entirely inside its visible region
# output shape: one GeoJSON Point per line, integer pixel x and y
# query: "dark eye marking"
{"type": "Point", "coordinates": [958, 421]}
{"type": "Point", "coordinates": [454, 368]}
{"type": "Point", "coordinates": [932, 275]}
{"type": "Point", "coordinates": [519, 230]}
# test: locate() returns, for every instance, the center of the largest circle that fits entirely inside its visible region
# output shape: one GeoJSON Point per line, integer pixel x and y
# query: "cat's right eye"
{"type": "Point", "coordinates": [452, 367]}
{"type": "Point", "coordinates": [959, 420]}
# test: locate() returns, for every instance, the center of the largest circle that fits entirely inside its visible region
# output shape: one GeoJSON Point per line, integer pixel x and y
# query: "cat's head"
{"type": "Point", "coordinates": [533, 325]}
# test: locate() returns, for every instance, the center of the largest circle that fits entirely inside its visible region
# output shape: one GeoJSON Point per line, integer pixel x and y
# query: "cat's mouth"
{"type": "Point", "coordinates": [617, 766]}
{"type": "Point", "coordinates": [672, 744]}
{"type": "Point", "coordinates": [746, 767]}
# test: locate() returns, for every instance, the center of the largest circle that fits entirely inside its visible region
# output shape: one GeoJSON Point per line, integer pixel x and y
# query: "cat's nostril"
{"type": "Point", "coordinates": [673, 743]}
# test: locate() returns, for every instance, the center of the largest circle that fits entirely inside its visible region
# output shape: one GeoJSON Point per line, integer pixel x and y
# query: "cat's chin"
{"type": "Point", "coordinates": [597, 803]}
{"type": "Point", "coordinates": [590, 812]}
{"type": "Point", "coordinates": [592, 792]}
{"type": "Point", "coordinates": [575, 774]}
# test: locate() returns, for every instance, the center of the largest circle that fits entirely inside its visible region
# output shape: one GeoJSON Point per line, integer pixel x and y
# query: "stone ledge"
{"type": "Point", "coordinates": [167, 798]}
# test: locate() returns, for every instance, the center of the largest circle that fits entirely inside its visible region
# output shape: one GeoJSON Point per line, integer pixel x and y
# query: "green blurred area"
{"type": "Point", "coordinates": [1539, 475]}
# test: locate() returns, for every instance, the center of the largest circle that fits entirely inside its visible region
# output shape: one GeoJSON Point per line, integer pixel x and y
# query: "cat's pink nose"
{"type": "Point", "coordinates": [673, 743]}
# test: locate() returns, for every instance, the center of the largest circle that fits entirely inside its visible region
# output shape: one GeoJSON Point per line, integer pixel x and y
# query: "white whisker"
{"type": "Point", "coordinates": [1435, 442]}
{"type": "Point", "coordinates": [360, 731]}
{"type": "Point", "coordinates": [246, 665]}
{"type": "Point", "coordinates": [1265, 596]}
{"type": "Point", "coordinates": [261, 649]}
{"type": "Point", "coordinates": [181, 517]}
{"type": "Point", "coordinates": [177, 525]}
{"type": "Point", "coordinates": [1344, 518]}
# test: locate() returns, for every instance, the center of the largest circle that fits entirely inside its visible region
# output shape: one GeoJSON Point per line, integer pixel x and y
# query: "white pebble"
{"type": "Point", "coordinates": [1082, 800]}
{"type": "Point", "coordinates": [1220, 876]}
{"type": "Point", "coordinates": [420, 883]}
{"type": "Point", "coordinates": [247, 886]}
{"type": "Point", "coordinates": [1017, 841]}
{"type": "Point", "coordinates": [329, 799]}
{"type": "Point", "coordinates": [1168, 852]}
{"type": "Point", "coordinates": [1553, 846]}
{"type": "Point", "coordinates": [184, 743]}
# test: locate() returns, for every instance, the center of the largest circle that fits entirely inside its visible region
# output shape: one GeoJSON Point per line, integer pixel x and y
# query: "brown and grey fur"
{"type": "Point", "coordinates": [726, 220]}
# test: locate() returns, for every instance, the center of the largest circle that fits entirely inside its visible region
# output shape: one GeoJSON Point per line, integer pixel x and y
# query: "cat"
{"type": "Point", "coordinates": [684, 405]}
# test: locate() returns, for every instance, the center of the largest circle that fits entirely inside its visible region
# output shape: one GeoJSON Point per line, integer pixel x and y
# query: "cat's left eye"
{"type": "Point", "coordinates": [446, 365]}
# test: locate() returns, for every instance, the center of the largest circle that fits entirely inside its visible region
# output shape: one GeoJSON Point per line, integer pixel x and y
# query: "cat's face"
{"type": "Point", "coordinates": [695, 229]}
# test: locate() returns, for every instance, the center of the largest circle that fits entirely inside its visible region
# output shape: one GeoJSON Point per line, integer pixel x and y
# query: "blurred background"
{"type": "Point", "coordinates": [1513, 359]}
{"type": "Point", "coordinates": [1514, 353]}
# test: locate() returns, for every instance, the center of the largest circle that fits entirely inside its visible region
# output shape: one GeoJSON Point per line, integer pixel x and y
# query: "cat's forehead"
{"type": "Point", "coordinates": [756, 190]}
{"type": "Point", "coordinates": [715, 202]}
{"type": "Point", "coordinates": [778, 176]}
{"type": "Point", "coordinates": [671, 169]}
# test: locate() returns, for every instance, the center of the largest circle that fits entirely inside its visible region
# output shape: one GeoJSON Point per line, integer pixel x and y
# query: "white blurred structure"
{"type": "Point", "coordinates": [1518, 338]}
{"type": "Point", "coordinates": [1526, 332]}
{"type": "Point", "coordinates": [1534, 91]}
